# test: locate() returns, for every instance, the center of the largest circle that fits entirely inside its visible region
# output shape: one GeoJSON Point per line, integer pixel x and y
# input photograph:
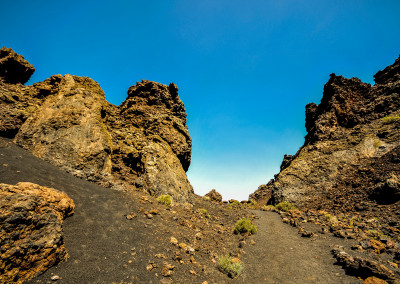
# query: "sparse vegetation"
{"type": "Point", "coordinates": [230, 265]}
{"type": "Point", "coordinates": [165, 199]}
{"type": "Point", "coordinates": [235, 203]}
{"type": "Point", "coordinates": [268, 208]}
{"type": "Point", "coordinates": [206, 198]}
{"type": "Point", "coordinates": [285, 206]}
{"type": "Point", "coordinates": [391, 119]}
{"type": "Point", "coordinates": [375, 234]}
{"type": "Point", "coordinates": [245, 226]}
{"type": "Point", "coordinates": [229, 207]}
{"type": "Point", "coordinates": [204, 212]}
{"type": "Point", "coordinates": [331, 219]}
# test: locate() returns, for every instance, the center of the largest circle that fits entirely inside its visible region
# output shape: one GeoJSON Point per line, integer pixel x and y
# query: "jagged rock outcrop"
{"type": "Point", "coordinates": [13, 67]}
{"type": "Point", "coordinates": [353, 127]}
{"type": "Point", "coordinates": [214, 196]}
{"type": "Point", "coordinates": [143, 143]}
{"type": "Point", "coordinates": [31, 236]}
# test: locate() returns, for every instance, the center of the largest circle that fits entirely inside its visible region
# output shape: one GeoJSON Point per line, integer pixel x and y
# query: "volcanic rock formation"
{"type": "Point", "coordinates": [31, 238]}
{"type": "Point", "coordinates": [143, 143]}
{"type": "Point", "coordinates": [350, 133]}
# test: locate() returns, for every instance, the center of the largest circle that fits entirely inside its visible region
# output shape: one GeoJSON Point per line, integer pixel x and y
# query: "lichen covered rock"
{"type": "Point", "coordinates": [31, 236]}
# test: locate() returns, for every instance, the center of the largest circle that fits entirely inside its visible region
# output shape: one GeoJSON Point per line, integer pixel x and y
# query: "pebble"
{"type": "Point", "coordinates": [55, 278]}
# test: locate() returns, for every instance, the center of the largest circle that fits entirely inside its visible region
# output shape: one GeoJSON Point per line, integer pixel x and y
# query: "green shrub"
{"type": "Point", "coordinates": [204, 212]}
{"type": "Point", "coordinates": [229, 265]}
{"type": "Point", "coordinates": [235, 203]}
{"type": "Point", "coordinates": [390, 119]}
{"type": "Point", "coordinates": [245, 226]}
{"type": "Point", "coordinates": [285, 206]}
{"type": "Point", "coordinates": [165, 199]}
{"type": "Point", "coordinates": [229, 207]}
{"type": "Point", "coordinates": [206, 198]}
{"type": "Point", "coordinates": [268, 208]}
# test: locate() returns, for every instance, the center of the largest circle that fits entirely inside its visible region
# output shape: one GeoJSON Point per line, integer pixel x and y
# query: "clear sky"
{"type": "Point", "coordinates": [245, 69]}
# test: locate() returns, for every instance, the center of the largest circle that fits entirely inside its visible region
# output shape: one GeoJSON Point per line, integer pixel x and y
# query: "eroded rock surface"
{"type": "Point", "coordinates": [143, 143]}
{"type": "Point", "coordinates": [355, 125]}
{"type": "Point", "coordinates": [13, 67]}
{"type": "Point", "coordinates": [31, 236]}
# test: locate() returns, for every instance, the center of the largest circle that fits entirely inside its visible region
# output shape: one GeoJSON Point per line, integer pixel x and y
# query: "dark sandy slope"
{"type": "Point", "coordinates": [98, 237]}
{"type": "Point", "coordinates": [281, 255]}
{"type": "Point", "coordinates": [100, 240]}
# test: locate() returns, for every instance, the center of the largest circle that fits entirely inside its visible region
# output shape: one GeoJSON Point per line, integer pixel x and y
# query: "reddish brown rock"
{"type": "Point", "coordinates": [374, 280]}
{"type": "Point", "coordinates": [31, 237]}
{"type": "Point", "coordinates": [214, 196]}
{"type": "Point", "coordinates": [354, 124]}
{"type": "Point", "coordinates": [142, 144]}
{"type": "Point", "coordinates": [364, 267]}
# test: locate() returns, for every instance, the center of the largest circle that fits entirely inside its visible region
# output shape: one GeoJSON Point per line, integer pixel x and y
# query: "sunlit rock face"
{"type": "Point", "coordinates": [349, 134]}
{"type": "Point", "coordinates": [31, 235]}
{"type": "Point", "coordinates": [142, 144]}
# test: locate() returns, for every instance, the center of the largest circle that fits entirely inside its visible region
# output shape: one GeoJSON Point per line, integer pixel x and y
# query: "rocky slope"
{"type": "Point", "coordinates": [350, 133]}
{"type": "Point", "coordinates": [346, 176]}
{"type": "Point", "coordinates": [142, 144]}
{"type": "Point", "coordinates": [31, 236]}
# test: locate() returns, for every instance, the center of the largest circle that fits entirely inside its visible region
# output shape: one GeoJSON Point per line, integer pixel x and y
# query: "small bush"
{"type": "Point", "coordinates": [229, 207]}
{"type": "Point", "coordinates": [268, 208]}
{"type": "Point", "coordinates": [390, 119]}
{"type": "Point", "coordinates": [285, 206]}
{"type": "Point", "coordinates": [229, 265]}
{"type": "Point", "coordinates": [245, 226]}
{"type": "Point", "coordinates": [165, 199]}
{"type": "Point", "coordinates": [204, 212]}
{"type": "Point", "coordinates": [206, 198]}
{"type": "Point", "coordinates": [235, 203]}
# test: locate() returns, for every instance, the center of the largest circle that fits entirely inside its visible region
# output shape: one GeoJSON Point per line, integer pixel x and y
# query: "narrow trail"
{"type": "Point", "coordinates": [101, 241]}
{"type": "Point", "coordinates": [281, 255]}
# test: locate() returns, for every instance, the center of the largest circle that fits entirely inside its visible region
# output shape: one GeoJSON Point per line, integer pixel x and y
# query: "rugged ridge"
{"type": "Point", "coordinates": [353, 127]}
{"type": "Point", "coordinates": [143, 143]}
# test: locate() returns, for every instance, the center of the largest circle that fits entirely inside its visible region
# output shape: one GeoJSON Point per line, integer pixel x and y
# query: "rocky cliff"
{"type": "Point", "coordinates": [142, 144]}
{"type": "Point", "coordinates": [351, 151]}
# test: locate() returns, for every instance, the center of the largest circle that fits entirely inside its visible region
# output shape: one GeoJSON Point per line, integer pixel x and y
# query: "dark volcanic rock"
{"type": "Point", "coordinates": [143, 143]}
{"type": "Point", "coordinates": [364, 267]}
{"type": "Point", "coordinates": [13, 67]}
{"type": "Point", "coordinates": [214, 196]}
{"type": "Point", "coordinates": [31, 237]}
{"type": "Point", "coordinates": [354, 125]}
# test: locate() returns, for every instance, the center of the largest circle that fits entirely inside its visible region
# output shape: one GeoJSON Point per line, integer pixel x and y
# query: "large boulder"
{"type": "Point", "coordinates": [214, 196]}
{"type": "Point", "coordinates": [31, 235]}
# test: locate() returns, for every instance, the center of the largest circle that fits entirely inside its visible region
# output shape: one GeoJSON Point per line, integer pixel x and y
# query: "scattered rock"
{"type": "Point", "coordinates": [173, 241]}
{"type": "Point", "coordinates": [374, 280]}
{"type": "Point", "coordinates": [363, 267]}
{"type": "Point", "coordinates": [55, 278]}
{"type": "Point", "coordinates": [151, 266]}
{"type": "Point", "coordinates": [167, 269]}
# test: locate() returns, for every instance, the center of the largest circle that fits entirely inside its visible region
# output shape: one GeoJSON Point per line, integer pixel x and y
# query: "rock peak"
{"type": "Point", "coordinates": [13, 67]}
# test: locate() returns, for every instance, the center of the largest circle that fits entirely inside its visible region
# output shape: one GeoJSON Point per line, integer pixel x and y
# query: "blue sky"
{"type": "Point", "coordinates": [245, 69]}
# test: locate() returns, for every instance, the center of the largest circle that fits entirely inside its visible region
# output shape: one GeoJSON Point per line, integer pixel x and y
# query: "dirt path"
{"type": "Point", "coordinates": [281, 255]}
{"type": "Point", "coordinates": [105, 247]}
